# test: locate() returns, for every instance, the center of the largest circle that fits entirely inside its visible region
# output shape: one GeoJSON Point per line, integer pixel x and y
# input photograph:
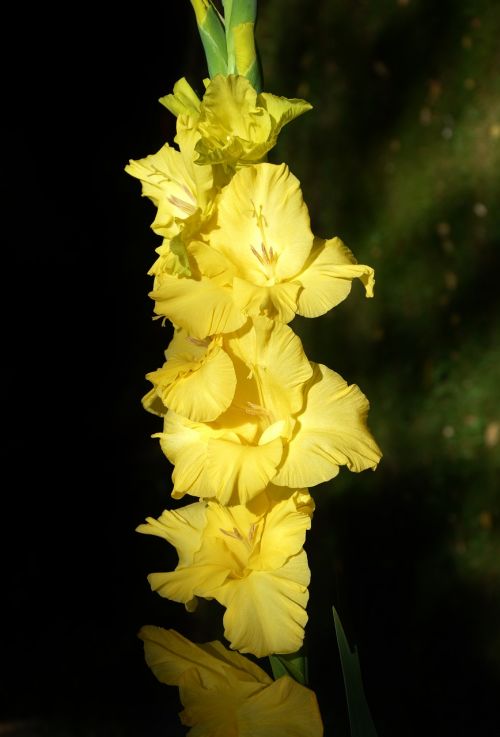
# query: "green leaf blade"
{"type": "Point", "coordinates": [359, 713]}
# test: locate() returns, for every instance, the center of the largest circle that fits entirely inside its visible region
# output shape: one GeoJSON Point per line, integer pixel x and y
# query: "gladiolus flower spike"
{"type": "Point", "coordinates": [250, 424]}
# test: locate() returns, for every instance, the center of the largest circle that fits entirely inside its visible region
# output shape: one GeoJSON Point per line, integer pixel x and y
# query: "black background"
{"type": "Point", "coordinates": [80, 100]}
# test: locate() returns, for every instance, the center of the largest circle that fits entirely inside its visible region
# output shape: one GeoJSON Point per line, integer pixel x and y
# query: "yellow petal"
{"type": "Point", "coordinates": [170, 656]}
{"type": "Point", "coordinates": [185, 446]}
{"type": "Point", "coordinates": [327, 276]}
{"type": "Point", "coordinates": [221, 517]}
{"type": "Point", "coordinates": [284, 708]}
{"type": "Point", "coordinates": [200, 306]}
{"type": "Point", "coordinates": [265, 612]}
{"type": "Point", "coordinates": [175, 185]}
{"type": "Point", "coordinates": [183, 584]}
{"type": "Point", "coordinates": [152, 403]}
{"type": "Point", "coordinates": [211, 263]}
{"type": "Point", "coordinates": [331, 432]}
{"type": "Point", "coordinates": [213, 711]}
{"type": "Point", "coordinates": [239, 472]}
{"type": "Point", "coordinates": [182, 528]}
{"type": "Point", "coordinates": [263, 224]}
{"type": "Point", "coordinates": [278, 302]}
{"type": "Point", "coordinates": [284, 533]}
{"type": "Point", "coordinates": [198, 381]}
{"type": "Point", "coordinates": [213, 463]}
{"type": "Point", "coordinates": [275, 357]}
{"type": "Point", "coordinates": [184, 99]}
{"type": "Point", "coordinates": [227, 694]}
{"type": "Point", "coordinates": [281, 109]}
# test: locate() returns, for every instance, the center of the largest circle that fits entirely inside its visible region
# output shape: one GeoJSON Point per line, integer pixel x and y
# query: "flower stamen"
{"type": "Point", "coordinates": [256, 410]}
{"type": "Point", "coordinates": [186, 207]}
{"type": "Point", "coordinates": [200, 342]}
{"type": "Point", "coordinates": [234, 533]}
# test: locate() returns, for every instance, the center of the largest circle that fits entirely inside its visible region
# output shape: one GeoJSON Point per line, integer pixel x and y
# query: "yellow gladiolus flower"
{"type": "Point", "coordinates": [235, 457]}
{"type": "Point", "coordinates": [289, 420]}
{"type": "Point", "coordinates": [236, 125]}
{"type": "Point", "coordinates": [263, 230]}
{"type": "Point", "coordinates": [261, 258]}
{"type": "Point", "coordinates": [182, 191]}
{"type": "Point", "coordinates": [224, 694]}
{"type": "Point", "coordinates": [250, 559]}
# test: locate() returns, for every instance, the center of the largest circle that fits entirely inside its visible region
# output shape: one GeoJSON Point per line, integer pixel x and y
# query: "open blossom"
{"type": "Point", "coordinates": [263, 229]}
{"type": "Point", "coordinates": [290, 422]}
{"type": "Point", "coordinates": [259, 257]}
{"type": "Point", "coordinates": [250, 559]}
{"type": "Point", "coordinates": [199, 378]}
{"type": "Point", "coordinates": [224, 694]}
{"type": "Point", "coordinates": [235, 124]}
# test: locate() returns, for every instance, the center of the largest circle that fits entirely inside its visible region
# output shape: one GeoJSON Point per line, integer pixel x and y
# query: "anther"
{"type": "Point", "coordinates": [200, 342]}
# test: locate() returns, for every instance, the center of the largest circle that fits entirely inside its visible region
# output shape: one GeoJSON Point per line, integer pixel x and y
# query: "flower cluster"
{"type": "Point", "coordinates": [249, 423]}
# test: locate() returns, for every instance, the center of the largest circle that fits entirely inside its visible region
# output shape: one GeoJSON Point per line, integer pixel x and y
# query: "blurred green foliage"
{"type": "Point", "coordinates": [400, 157]}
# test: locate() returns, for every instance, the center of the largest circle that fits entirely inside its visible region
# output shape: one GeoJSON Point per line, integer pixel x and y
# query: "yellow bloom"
{"type": "Point", "coordinates": [250, 559]}
{"type": "Point", "coordinates": [289, 420]}
{"type": "Point", "coordinates": [182, 191]}
{"type": "Point", "coordinates": [197, 381]}
{"type": "Point", "coordinates": [226, 695]}
{"type": "Point", "coordinates": [261, 259]}
{"type": "Point", "coordinates": [263, 230]}
{"type": "Point", "coordinates": [235, 457]}
{"type": "Point", "coordinates": [236, 125]}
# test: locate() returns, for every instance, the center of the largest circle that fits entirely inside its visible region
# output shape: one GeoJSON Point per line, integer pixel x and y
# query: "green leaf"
{"type": "Point", "coordinates": [359, 714]}
{"type": "Point", "coordinates": [293, 665]}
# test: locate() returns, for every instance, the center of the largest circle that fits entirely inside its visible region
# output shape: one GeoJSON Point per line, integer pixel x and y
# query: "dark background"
{"type": "Point", "coordinates": [400, 157]}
